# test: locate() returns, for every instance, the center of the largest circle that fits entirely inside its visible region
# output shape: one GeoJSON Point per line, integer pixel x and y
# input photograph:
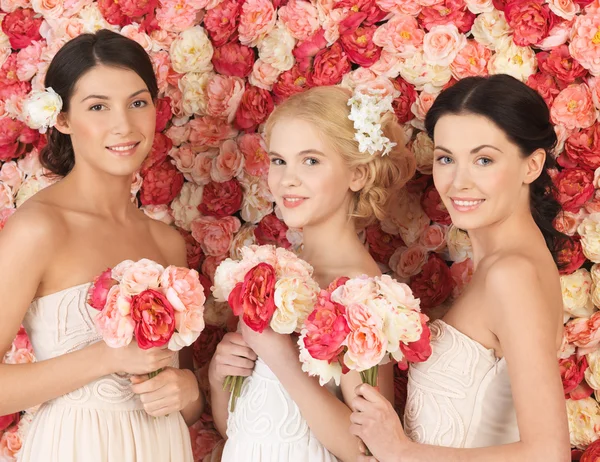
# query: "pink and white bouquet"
{"type": "Point", "coordinates": [156, 305]}
{"type": "Point", "coordinates": [268, 287]}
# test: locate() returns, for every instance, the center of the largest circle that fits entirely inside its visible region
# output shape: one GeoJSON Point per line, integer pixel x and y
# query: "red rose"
{"type": "Point", "coordinates": [98, 292]}
{"type": "Point", "coordinates": [162, 183]}
{"type": "Point", "coordinates": [434, 284]}
{"type": "Point", "coordinates": [289, 83]}
{"type": "Point", "coordinates": [560, 64]}
{"type": "Point", "coordinates": [254, 299]}
{"type": "Point", "coordinates": [448, 12]}
{"type": "Point", "coordinates": [365, 12]}
{"type": "Point", "coordinates": [419, 183]}
{"type": "Point", "coordinates": [254, 108]}
{"type": "Point", "coordinates": [137, 8]}
{"type": "Point", "coordinates": [154, 319]}
{"type": "Point", "coordinates": [233, 59]}
{"type": "Point", "coordinates": [9, 420]}
{"type": "Point", "coordinates": [204, 348]}
{"type": "Point", "coordinates": [575, 186]}
{"type": "Point", "coordinates": [419, 351]}
{"type": "Point", "coordinates": [22, 27]}
{"type": "Point", "coordinates": [149, 23]}
{"type": "Point", "coordinates": [381, 244]}
{"type": "Point", "coordinates": [570, 256]}
{"type": "Point", "coordinates": [592, 453]}
{"type": "Point", "coordinates": [221, 199]}
{"type": "Point", "coordinates": [329, 66]}
{"type": "Point", "coordinates": [193, 250]}
{"type": "Point", "coordinates": [530, 20]}
{"type": "Point", "coordinates": [583, 148]}
{"type": "Point", "coordinates": [271, 230]}
{"type": "Point", "coordinates": [572, 371]}
{"type": "Point", "coordinates": [434, 207]}
{"type": "Point", "coordinates": [359, 46]}
{"type": "Point", "coordinates": [11, 132]}
{"type": "Point", "coordinates": [161, 146]}
{"type": "Point", "coordinates": [111, 11]}
{"type": "Point", "coordinates": [403, 103]}
{"type": "Point", "coordinates": [306, 50]}
{"type": "Point", "coordinates": [545, 85]}
{"type": "Point", "coordinates": [221, 21]}
{"type": "Point", "coordinates": [163, 113]}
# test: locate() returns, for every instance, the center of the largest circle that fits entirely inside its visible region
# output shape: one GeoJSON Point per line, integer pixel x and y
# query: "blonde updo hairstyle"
{"type": "Point", "coordinates": [326, 108]}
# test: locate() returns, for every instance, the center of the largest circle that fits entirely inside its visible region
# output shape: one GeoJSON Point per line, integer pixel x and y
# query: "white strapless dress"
{"type": "Point", "coordinates": [461, 396]}
{"type": "Point", "coordinates": [104, 421]}
{"type": "Point", "coordinates": [267, 426]}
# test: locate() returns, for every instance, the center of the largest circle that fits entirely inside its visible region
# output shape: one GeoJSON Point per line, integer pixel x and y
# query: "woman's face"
{"type": "Point", "coordinates": [111, 120]}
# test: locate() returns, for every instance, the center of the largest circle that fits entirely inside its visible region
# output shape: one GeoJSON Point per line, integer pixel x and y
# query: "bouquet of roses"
{"type": "Point", "coordinates": [268, 287]}
{"type": "Point", "coordinates": [156, 305]}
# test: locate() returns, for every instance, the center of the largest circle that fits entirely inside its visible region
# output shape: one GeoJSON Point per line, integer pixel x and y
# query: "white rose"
{"type": "Point", "coordinates": [194, 97]}
{"type": "Point", "coordinates": [589, 230]}
{"type": "Point", "coordinates": [92, 20]}
{"type": "Point", "coordinates": [258, 201]}
{"type": "Point", "coordinates": [276, 48]}
{"type": "Point", "coordinates": [511, 59]}
{"type": "Point", "coordinates": [225, 279]}
{"type": "Point", "coordinates": [584, 421]}
{"type": "Point", "coordinates": [459, 244]}
{"type": "Point", "coordinates": [595, 273]}
{"type": "Point", "coordinates": [294, 298]}
{"type": "Point", "coordinates": [480, 6]}
{"type": "Point", "coordinates": [576, 293]}
{"type": "Point", "coordinates": [423, 76]}
{"type": "Point", "coordinates": [41, 109]}
{"type": "Point", "coordinates": [185, 206]}
{"type": "Point", "coordinates": [592, 373]}
{"type": "Point", "coordinates": [192, 51]}
{"type": "Point", "coordinates": [490, 28]}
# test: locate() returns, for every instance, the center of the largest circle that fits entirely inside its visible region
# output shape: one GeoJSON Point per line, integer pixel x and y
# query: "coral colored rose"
{"type": "Point", "coordinates": [204, 440]}
{"type": "Point", "coordinates": [154, 319]}
{"type": "Point", "coordinates": [575, 187]}
{"type": "Point", "coordinates": [160, 149]}
{"type": "Point", "coordinates": [592, 453]}
{"type": "Point", "coordinates": [257, 18]}
{"type": "Point", "coordinates": [271, 230]}
{"type": "Point", "coordinates": [161, 185]}
{"type": "Point", "coordinates": [447, 12]}
{"type": "Point", "coordinates": [400, 35]}
{"type": "Point", "coordinates": [408, 261]}
{"type": "Point", "coordinates": [228, 164]}
{"type": "Point", "coordinates": [574, 107]}
{"type": "Point", "coordinates": [177, 16]}
{"type": "Point", "coordinates": [221, 22]}
{"type": "Point", "coordinates": [113, 322]}
{"type": "Point", "coordinates": [326, 329]}
{"type": "Point", "coordinates": [11, 136]}
{"type": "Point", "coordinates": [584, 332]}
{"type": "Point", "coordinates": [471, 60]}
{"type": "Point", "coordinates": [381, 244]}
{"type": "Point", "coordinates": [253, 299]}
{"type": "Point", "coordinates": [404, 102]}
{"type": "Point", "coordinates": [224, 94]}
{"type": "Point", "coordinates": [434, 284]}
{"type": "Point", "coordinates": [434, 207]}
{"type": "Point", "coordinates": [209, 132]}
{"type": "Point", "coordinates": [221, 199]}
{"type": "Point", "coordinates": [301, 18]}
{"type": "Point", "coordinates": [137, 8]}
{"type": "Point", "coordinates": [163, 113]}
{"type": "Point", "coordinates": [530, 20]}
{"type": "Point", "coordinates": [289, 83]}
{"type": "Point", "coordinates": [329, 66]}
{"type": "Point", "coordinates": [559, 63]}
{"type": "Point", "coordinates": [253, 148]}
{"type": "Point", "coordinates": [359, 46]}
{"type": "Point", "coordinates": [545, 85]}
{"type": "Point", "coordinates": [583, 148]}
{"type": "Point", "coordinates": [434, 238]}
{"type": "Point", "coordinates": [111, 11]}
{"type": "Point", "coordinates": [584, 45]}
{"type": "Point", "coordinates": [22, 27]}
{"type": "Point", "coordinates": [98, 292]}
{"type": "Point", "coordinates": [306, 50]}
{"type": "Point", "coordinates": [215, 234]}
{"type": "Point", "coordinates": [366, 348]}
{"type": "Point", "coordinates": [233, 59]}
{"type": "Point", "coordinates": [255, 106]}
{"type": "Point", "coordinates": [572, 371]}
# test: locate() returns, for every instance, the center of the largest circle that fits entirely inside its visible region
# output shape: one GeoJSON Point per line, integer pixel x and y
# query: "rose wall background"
{"type": "Point", "coordinates": [223, 65]}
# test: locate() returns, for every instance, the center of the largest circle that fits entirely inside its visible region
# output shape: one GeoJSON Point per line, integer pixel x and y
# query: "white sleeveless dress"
{"type": "Point", "coordinates": [267, 426]}
{"type": "Point", "coordinates": [104, 421]}
{"type": "Point", "coordinates": [461, 396]}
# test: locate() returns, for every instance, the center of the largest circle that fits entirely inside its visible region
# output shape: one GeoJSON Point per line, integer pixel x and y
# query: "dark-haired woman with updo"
{"type": "Point", "coordinates": [491, 390]}
{"type": "Point", "coordinates": [97, 403]}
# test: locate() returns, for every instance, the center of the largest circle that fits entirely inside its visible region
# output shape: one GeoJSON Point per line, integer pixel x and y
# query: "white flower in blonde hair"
{"type": "Point", "coordinates": [41, 109]}
{"type": "Point", "coordinates": [366, 111]}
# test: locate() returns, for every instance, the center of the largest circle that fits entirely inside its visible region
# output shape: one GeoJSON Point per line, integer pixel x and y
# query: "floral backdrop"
{"type": "Point", "coordinates": [222, 66]}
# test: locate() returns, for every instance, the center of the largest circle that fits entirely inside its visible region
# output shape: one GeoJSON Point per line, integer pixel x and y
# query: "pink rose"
{"type": "Point", "coordinates": [359, 46]}
{"type": "Point", "coordinates": [139, 276]}
{"type": "Point", "coordinates": [256, 20]}
{"type": "Point", "coordinates": [137, 8]}
{"type": "Point", "coordinates": [365, 12]}
{"type": "Point", "coordinates": [289, 83]}
{"type": "Point", "coordinates": [400, 35]}
{"type": "Point", "coordinates": [224, 94]}
{"type": "Point", "coordinates": [221, 199]}
{"type": "Point", "coordinates": [98, 291]}
{"type": "Point", "coordinates": [422, 105]}
{"type": "Point", "coordinates": [253, 148]}
{"type": "Point", "coordinates": [154, 319]}
{"type": "Point", "coordinates": [203, 164]}
{"type": "Point", "coordinates": [584, 45]}
{"type": "Point", "coordinates": [419, 351]}
{"type": "Point", "coordinates": [584, 333]}
{"type": "Point", "coordinates": [233, 59]}
{"type": "Point", "coordinates": [572, 371]}
{"type": "Point", "coordinates": [403, 103]}
{"type": "Point", "coordinates": [301, 18]}
{"type": "Point", "coordinates": [10, 131]}
{"type": "Point", "coordinates": [582, 148]}
{"type": "Point", "coordinates": [215, 234]}
{"type": "Point", "coordinates": [8, 73]}
{"type": "Point", "coordinates": [561, 65]}
{"type": "Point", "coordinates": [408, 261]}
{"type": "Point", "coordinates": [179, 135]}
{"type": "Point", "coordinates": [568, 222]}
{"type": "Point", "coordinates": [433, 238]}
{"type": "Point", "coordinates": [6, 196]}
{"type": "Point", "coordinates": [530, 19]}
{"type": "Point", "coordinates": [203, 440]}
{"type": "Point", "coordinates": [183, 289]}
{"type": "Point", "coordinates": [263, 75]}
{"type": "Point", "coordinates": [573, 107]}
{"type": "Point", "coordinates": [184, 158]}
{"type": "Point", "coordinates": [461, 273]}
{"type": "Point", "coordinates": [228, 164]}
{"type": "Point", "coordinates": [210, 264]}
{"type": "Point", "coordinates": [160, 149]}
{"type": "Point", "coordinates": [221, 22]}
{"type": "Point", "coordinates": [272, 231]}
{"type": "Point", "coordinates": [447, 12]}
{"type": "Point", "coordinates": [10, 444]}
{"type": "Point", "coordinates": [113, 322]}
{"type": "Point", "coordinates": [358, 290]}
{"type": "Point", "coordinates": [163, 113]}
{"type": "Point", "coordinates": [329, 66]}
{"type": "Point", "coordinates": [442, 44]}
{"type": "Point", "coordinates": [306, 50]}
{"type": "Point", "coordinates": [545, 85]}
{"type": "Point", "coordinates": [176, 16]}
{"type": "Point", "coordinates": [22, 27]}
{"type": "Point", "coordinates": [28, 60]}
{"type": "Point", "coordinates": [409, 7]}
{"type": "Point", "coordinates": [209, 131]}
{"type": "Point", "coordinates": [162, 183]}
{"type": "Point", "coordinates": [111, 11]}
{"type": "Point", "coordinates": [574, 187]}
{"type": "Point", "coordinates": [254, 108]}
{"type": "Point", "coordinates": [471, 60]}
{"type": "Point", "coordinates": [11, 175]}
{"type": "Point", "coordinates": [366, 348]}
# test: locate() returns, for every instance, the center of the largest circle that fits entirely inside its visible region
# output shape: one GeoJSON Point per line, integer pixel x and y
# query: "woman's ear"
{"type": "Point", "coordinates": [359, 178]}
{"type": "Point", "coordinates": [535, 165]}
{"type": "Point", "coordinates": [62, 124]}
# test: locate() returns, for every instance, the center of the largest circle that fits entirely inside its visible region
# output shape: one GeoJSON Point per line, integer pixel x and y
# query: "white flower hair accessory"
{"type": "Point", "coordinates": [366, 111]}
{"type": "Point", "coordinates": [41, 109]}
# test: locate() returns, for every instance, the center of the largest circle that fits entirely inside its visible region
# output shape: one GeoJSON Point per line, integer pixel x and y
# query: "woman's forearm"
{"type": "Point", "coordinates": [219, 402]}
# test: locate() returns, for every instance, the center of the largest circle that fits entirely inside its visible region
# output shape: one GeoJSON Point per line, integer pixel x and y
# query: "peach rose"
{"type": "Point", "coordinates": [256, 20]}
{"type": "Point", "coordinates": [11, 175]}
{"type": "Point", "coordinates": [135, 33]}
{"type": "Point", "coordinates": [253, 148]}
{"type": "Point", "coordinates": [142, 275]}
{"type": "Point", "coordinates": [408, 7]}
{"type": "Point", "coordinates": [584, 45]}
{"type": "Point", "coordinates": [557, 36]}
{"type": "Point", "coordinates": [203, 164]}
{"type": "Point", "coordinates": [388, 65]}
{"type": "Point", "coordinates": [10, 444]}
{"type": "Point", "coordinates": [566, 9]}
{"type": "Point", "coordinates": [400, 35]}
{"type": "Point", "coordinates": [301, 18]}
{"type": "Point", "coordinates": [459, 244]}
{"type": "Point", "coordinates": [574, 108]}
{"type": "Point", "coordinates": [584, 421]}
{"type": "Point", "coordinates": [576, 293]}
{"type": "Point", "coordinates": [184, 158]}
{"type": "Point", "coordinates": [178, 135]}
{"type": "Point", "coordinates": [589, 230]}
{"type": "Point", "coordinates": [366, 348]}
{"type": "Point", "coordinates": [113, 322]}
{"type": "Point", "coordinates": [480, 6]}
{"type": "Point", "coordinates": [209, 132]}
{"type": "Point", "coordinates": [461, 272]}
{"type": "Point", "coordinates": [408, 261]}
{"type": "Point", "coordinates": [584, 332]}
{"type": "Point", "coordinates": [49, 9]}
{"type": "Point", "coordinates": [264, 75]}
{"type": "Point", "coordinates": [595, 272]}
{"type": "Point", "coordinates": [228, 164]}
{"type": "Point", "coordinates": [185, 206]}
{"type": "Point", "coordinates": [215, 234]}
{"type": "Point", "coordinates": [159, 213]}
{"type": "Point", "coordinates": [420, 107]}
{"type": "Point", "coordinates": [28, 61]}
{"type": "Point", "coordinates": [434, 238]}
{"type": "Point", "coordinates": [567, 222]}
{"type": "Point", "coordinates": [471, 61]}
{"type": "Point", "coordinates": [442, 44]}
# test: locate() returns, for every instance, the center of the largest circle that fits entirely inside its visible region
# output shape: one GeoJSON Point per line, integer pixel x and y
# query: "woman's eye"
{"type": "Point", "coordinates": [139, 104]}
{"type": "Point", "coordinates": [275, 161]}
{"type": "Point", "coordinates": [484, 161]}
{"type": "Point", "coordinates": [96, 107]}
{"type": "Point", "coordinates": [311, 161]}
{"type": "Point", "coordinates": [444, 160]}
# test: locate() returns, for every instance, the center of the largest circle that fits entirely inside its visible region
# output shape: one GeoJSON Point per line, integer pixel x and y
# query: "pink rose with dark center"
{"type": "Point", "coordinates": [154, 319]}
